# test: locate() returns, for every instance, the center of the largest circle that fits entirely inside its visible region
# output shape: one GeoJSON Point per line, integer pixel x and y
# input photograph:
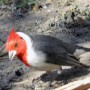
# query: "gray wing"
{"type": "Point", "coordinates": [55, 52]}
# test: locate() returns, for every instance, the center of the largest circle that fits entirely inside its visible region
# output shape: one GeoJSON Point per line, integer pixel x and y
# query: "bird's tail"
{"type": "Point", "coordinates": [83, 65]}
{"type": "Point", "coordinates": [75, 62]}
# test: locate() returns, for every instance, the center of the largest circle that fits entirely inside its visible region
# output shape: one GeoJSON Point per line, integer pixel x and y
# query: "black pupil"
{"type": "Point", "coordinates": [16, 45]}
{"type": "Point", "coordinates": [21, 37]}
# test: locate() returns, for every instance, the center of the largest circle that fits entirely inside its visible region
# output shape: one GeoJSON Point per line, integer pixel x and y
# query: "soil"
{"type": "Point", "coordinates": [56, 20]}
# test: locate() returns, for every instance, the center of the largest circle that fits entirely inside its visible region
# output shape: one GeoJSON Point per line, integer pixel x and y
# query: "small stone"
{"type": "Point", "coordinates": [19, 72]}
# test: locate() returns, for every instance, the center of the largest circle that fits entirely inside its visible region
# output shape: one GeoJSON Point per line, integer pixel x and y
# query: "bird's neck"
{"type": "Point", "coordinates": [23, 58]}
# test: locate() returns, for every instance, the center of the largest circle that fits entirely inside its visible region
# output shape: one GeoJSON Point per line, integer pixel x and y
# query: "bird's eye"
{"type": "Point", "coordinates": [21, 38]}
{"type": "Point", "coordinates": [16, 45]}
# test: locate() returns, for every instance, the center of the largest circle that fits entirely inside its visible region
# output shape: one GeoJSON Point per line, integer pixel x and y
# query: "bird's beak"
{"type": "Point", "coordinates": [12, 54]}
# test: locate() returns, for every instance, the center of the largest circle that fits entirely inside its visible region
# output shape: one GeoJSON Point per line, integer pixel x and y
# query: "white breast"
{"type": "Point", "coordinates": [34, 58]}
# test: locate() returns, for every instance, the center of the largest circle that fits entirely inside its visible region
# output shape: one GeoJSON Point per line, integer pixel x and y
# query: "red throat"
{"type": "Point", "coordinates": [24, 59]}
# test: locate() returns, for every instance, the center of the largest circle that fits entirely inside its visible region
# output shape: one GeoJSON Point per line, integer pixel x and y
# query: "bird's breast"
{"type": "Point", "coordinates": [24, 59]}
{"type": "Point", "coordinates": [38, 60]}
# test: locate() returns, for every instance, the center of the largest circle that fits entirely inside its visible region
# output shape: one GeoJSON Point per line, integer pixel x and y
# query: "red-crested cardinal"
{"type": "Point", "coordinates": [42, 51]}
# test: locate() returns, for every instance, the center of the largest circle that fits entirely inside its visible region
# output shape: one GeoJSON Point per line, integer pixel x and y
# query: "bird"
{"type": "Point", "coordinates": [43, 52]}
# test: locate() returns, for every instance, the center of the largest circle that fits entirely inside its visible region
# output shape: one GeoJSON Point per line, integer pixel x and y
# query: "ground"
{"type": "Point", "coordinates": [58, 20]}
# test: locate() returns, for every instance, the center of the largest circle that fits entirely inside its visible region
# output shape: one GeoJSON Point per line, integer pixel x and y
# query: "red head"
{"type": "Point", "coordinates": [16, 45]}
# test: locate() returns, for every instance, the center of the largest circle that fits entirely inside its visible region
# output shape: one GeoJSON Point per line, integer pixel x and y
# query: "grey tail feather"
{"type": "Point", "coordinates": [76, 62]}
{"type": "Point", "coordinates": [83, 65]}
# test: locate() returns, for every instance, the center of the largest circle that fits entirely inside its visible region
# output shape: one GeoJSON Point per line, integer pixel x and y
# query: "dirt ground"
{"type": "Point", "coordinates": [14, 75]}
